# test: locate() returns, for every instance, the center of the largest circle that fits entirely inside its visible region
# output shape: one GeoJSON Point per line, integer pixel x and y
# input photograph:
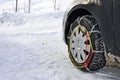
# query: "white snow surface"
{"type": "Point", "coordinates": [32, 48]}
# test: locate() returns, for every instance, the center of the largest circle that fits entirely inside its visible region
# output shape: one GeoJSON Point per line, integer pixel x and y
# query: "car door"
{"type": "Point", "coordinates": [116, 22]}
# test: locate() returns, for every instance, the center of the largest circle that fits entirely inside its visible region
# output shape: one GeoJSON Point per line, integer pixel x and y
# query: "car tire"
{"type": "Point", "coordinates": [85, 44]}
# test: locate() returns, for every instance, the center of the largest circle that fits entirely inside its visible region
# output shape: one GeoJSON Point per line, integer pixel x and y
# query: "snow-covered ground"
{"type": "Point", "coordinates": [31, 45]}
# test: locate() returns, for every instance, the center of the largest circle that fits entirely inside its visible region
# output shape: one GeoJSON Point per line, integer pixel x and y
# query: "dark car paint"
{"type": "Point", "coordinates": [116, 22]}
{"type": "Point", "coordinates": [107, 14]}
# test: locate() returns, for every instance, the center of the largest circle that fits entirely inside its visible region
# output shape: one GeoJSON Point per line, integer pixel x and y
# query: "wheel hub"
{"type": "Point", "coordinates": [79, 45]}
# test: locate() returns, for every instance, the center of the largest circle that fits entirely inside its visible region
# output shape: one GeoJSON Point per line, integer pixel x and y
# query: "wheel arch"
{"type": "Point", "coordinates": [97, 12]}
{"type": "Point", "coordinates": [72, 16]}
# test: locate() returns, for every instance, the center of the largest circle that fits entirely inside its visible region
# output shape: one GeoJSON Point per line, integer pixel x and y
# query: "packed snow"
{"type": "Point", "coordinates": [31, 45]}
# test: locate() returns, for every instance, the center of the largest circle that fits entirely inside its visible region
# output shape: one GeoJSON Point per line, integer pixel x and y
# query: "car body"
{"type": "Point", "coordinates": [107, 14]}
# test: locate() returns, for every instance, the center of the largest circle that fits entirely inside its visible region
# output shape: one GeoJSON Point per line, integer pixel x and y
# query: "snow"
{"type": "Point", "coordinates": [32, 48]}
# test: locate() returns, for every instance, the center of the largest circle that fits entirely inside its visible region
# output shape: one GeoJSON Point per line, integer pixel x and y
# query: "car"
{"type": "Point", "coordinates": [91, 30]}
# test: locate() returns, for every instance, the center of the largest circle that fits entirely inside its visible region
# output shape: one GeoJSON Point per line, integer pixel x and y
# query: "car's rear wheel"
{"type": "Point", "coordinates": [85, 44]}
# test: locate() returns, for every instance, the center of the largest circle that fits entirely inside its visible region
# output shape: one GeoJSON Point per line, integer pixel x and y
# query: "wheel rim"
{"type": "Point", "coordinates": [80, 44]}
